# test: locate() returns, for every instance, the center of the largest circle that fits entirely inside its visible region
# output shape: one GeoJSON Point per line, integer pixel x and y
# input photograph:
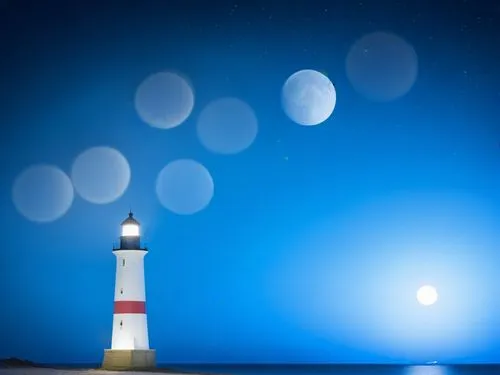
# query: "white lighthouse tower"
{"type": "Point", "coordinates": [130, 340]}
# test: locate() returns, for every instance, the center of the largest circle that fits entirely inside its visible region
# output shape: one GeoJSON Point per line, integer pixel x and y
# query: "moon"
{"type": "Point", "coordinates": [308, 97]}
{"type": "Point", "coordinates": [427, 295]}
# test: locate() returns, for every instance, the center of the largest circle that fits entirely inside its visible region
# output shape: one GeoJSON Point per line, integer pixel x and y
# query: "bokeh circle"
{"type": "Point", "coordinates": [42, 193]}
{"type": "Point", "coordinates": [164, 100]}
{"type": "Point", "coordinates": [184, 187]}
{"type": "Point", "coordinates": [100, 174]}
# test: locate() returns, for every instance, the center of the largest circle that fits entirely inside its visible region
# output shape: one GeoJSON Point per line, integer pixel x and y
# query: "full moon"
{"type": "Point", "coordinates": [308, 97]}
{"type": "Point", "coordinates": [427, 295]}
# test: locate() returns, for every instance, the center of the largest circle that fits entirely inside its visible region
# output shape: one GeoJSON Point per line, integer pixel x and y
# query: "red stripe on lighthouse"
{"type": "Point", "coordinates": [130, 307]}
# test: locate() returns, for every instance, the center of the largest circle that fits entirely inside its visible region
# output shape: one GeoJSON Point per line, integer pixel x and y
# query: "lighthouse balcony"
{"type": "Point", "coordinates": [129, 244]}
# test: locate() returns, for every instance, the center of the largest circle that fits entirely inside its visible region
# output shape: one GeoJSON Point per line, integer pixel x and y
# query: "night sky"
{"type": "Point", "coordinates": [316, 238]}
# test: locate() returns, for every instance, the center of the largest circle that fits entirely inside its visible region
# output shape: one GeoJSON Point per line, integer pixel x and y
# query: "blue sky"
{"type": "Point", "coordinates": [316, 238]}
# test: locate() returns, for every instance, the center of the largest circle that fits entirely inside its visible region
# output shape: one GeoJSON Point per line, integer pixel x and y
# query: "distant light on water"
{"type": "Point", "coordinates": [42, 193]}
{"type": "Point", "coordinates": [164, 100]}
{"type": "Point", "coordinates": [100, 175]}
{"type": "Point", "coordinates": [184, 187]}
{"type": "Point", "coordinates": [227, 126]}
{"type": "Point", "coordinates": [427, 370]}
{"type": "Point", "coordinates": [382, 66]}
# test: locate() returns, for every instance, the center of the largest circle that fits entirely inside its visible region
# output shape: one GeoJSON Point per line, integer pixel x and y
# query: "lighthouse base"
{"type": "Point", "coordinates": [129, 359]}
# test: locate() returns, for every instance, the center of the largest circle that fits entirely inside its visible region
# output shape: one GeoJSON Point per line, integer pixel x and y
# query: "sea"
{"type": "Point", "coordinates": [344, 370]}
{"type": "Point", "coordinates": [435, 369]}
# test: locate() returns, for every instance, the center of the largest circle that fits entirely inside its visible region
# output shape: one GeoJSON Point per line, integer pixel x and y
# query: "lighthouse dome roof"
{"type": "Point", "coordinates": [130, 220]}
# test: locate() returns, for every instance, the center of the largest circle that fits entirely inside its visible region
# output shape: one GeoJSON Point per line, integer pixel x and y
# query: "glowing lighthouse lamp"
{"type": "Point", "coordinates": [130, 341]}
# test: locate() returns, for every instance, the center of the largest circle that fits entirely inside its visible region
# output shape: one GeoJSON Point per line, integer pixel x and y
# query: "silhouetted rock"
{"type": "Point", "coordinates": [16, 362]}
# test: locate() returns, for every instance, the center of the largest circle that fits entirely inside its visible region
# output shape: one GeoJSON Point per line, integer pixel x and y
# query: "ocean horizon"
{"type": "Point", "coordinates": [314, 369]}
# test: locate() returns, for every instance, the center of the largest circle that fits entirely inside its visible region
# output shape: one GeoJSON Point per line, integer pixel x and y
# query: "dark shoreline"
{"type": "Point", "coordinates": [12, 363]}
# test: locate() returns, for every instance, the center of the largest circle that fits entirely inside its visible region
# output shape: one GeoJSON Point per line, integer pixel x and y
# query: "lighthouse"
{"type": "Point", "coordinates": [130, 340]}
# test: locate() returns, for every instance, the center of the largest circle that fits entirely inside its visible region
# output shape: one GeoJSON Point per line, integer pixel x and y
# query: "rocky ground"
{"type": "Point", "coordinates": [16, 366]}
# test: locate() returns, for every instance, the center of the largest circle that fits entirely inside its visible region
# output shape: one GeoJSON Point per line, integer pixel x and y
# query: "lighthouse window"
{"type": "Point", "coordinates": [123, 262]}
{"type": "Point", "coordinates": [121, 324]}
{"type": "Point", "coordinates": [121, 290]}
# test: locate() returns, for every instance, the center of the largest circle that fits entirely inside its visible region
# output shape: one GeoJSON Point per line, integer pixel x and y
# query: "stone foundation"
{"type": "Point", "coordinates": [129, 359]}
